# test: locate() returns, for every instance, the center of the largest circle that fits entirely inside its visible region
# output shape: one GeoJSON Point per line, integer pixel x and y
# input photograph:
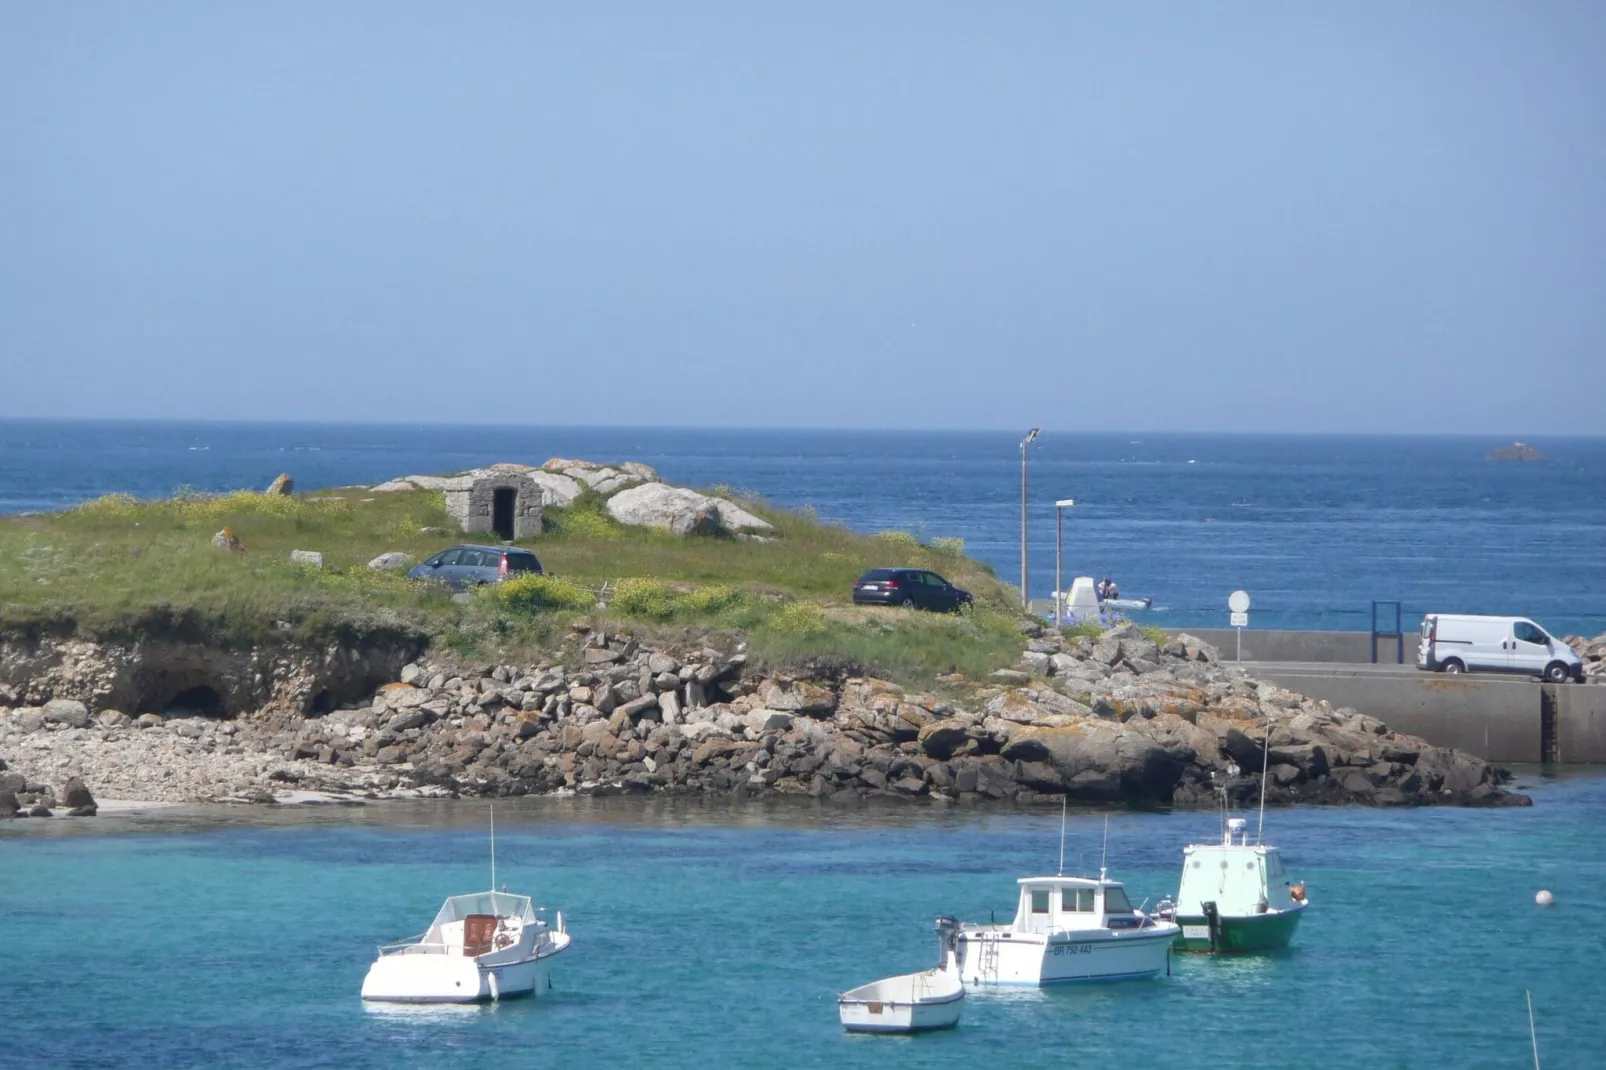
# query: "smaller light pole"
{"type": "Point", "coordinates": [1059, 547]}
{"type": "Point", "coordinates": [1025, 602]}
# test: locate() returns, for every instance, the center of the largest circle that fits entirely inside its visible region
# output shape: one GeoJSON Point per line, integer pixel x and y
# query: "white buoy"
{"type": "Point", "coordinates": [1544, 898]}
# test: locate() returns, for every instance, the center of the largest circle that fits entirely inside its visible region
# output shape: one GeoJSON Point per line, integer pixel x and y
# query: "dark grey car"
{"type": "Point", "coordinates": [462, 567]}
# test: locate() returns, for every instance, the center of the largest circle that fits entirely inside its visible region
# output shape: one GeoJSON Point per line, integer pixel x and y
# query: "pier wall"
{"type": "Point", "coordinates": [1580, 713]}
{"type": "Point", "coordinates": [1496, 719]}
{"type": "Point", "coordinates": [1351, 648]}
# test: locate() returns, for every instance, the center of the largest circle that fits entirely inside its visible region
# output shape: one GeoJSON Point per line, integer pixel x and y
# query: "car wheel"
{"type": "Point", "coordinates": [907, 603]}
{"type": "Point", "coordinates": [965, 608]}
{"type": "Point", "coordinates": [1454, 666]}
{"type": "Point", "coordinates": [1557, 673]}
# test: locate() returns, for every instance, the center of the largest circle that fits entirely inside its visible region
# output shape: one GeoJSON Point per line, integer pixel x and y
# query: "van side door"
{"type": "Point", "coordinates": [1530, 648]}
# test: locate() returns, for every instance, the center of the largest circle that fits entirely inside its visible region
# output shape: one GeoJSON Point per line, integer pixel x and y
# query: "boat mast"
{"type": "Point", "coordinates": [1062, 836]}
{"type": "Point", "coordinates": [493, 847]}
{"type": "Point", "coordinates": [1533, 1037]}
{"type": "Point", "coordinates": [1265, 763]}
{"type": "Point", "coordinates": [1104, 849]}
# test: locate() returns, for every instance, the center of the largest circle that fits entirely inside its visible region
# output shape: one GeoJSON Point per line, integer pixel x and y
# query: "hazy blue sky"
{"type": "Point", "coordinates": [1364, 216]}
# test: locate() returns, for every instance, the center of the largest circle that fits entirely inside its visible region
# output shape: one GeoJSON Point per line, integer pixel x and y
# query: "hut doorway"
{"type": "Point", "coordinates": [502, 502]}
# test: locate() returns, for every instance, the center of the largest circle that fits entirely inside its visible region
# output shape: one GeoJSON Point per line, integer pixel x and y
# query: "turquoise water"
{"type": "Point", "coordinates": [716, 935]}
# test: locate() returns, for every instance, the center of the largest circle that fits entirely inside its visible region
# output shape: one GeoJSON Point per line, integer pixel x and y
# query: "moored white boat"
{"type": "Point", "coordinates": [907, 1003]}
{"type": "Point", "coordinates": [1065, 929]}
{"type": "Point", "coordinates": [484, 946]}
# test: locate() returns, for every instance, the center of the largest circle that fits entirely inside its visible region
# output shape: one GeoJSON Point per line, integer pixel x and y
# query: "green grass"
{"type": "Point", "coordinates": [120, 567]}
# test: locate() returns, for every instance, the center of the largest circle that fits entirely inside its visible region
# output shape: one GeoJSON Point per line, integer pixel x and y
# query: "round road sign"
{"type": "Point", "coordinates": [1238, 601]}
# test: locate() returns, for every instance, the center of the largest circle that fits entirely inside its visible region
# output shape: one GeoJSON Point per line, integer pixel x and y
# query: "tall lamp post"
{"type": "Point", "coordinates": [1027, 441]}
{"type": "Point", "coordinates": [1059, 543]}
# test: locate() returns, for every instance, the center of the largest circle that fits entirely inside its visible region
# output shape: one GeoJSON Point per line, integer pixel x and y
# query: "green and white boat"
{"type": "Point", "coordinates": [1235, 896]}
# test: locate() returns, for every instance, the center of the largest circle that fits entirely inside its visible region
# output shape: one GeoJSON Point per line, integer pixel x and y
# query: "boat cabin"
{"type": "Point", "coordinates": [477, 924]}
{"type": "Point", "coordinates": [1067, 904]}
{"type": "Point", "coordinates": [1238, 876]}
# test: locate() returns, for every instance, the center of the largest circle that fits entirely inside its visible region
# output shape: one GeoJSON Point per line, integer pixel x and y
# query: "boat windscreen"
{"type": "Point", "coordinates": [1115, 901]}
{"type": "Point", "coordinates": [501, 904]}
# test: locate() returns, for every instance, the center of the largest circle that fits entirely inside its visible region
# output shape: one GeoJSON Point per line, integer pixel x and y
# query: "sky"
{"type": "Point", "coordinates": [1253, 216]}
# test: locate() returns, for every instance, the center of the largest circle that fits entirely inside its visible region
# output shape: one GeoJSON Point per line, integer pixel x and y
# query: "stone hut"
{"type": "Point", "coordinates": [506, 503]}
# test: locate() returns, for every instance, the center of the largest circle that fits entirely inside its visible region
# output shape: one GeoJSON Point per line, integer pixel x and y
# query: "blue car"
{"type": "Point", "coordinates": [462, 567]}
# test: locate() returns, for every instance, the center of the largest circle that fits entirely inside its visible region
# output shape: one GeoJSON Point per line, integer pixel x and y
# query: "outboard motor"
{"type": "Point", "coordinates": [947, 927]}
{"type": "Point", "coordinates": [1213, 920]}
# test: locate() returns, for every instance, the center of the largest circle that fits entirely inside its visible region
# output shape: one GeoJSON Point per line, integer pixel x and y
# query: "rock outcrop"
{"type": "Point", "coordinates": [681, 511]}
{"type": "Point", "coordinates": [635, 494]}
{"type": "Point", "coordinates": [1122, 719]}
{"type": "Point", "coordinates": [282, 485]}
{"type": "Point", "coordinates": [1592, 652]}
{"type": "Point", "coordinates": [1517, 451]}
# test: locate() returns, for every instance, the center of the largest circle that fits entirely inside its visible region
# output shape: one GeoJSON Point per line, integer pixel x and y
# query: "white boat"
{"type": "Point", "coordinates": [484, 946]}
{"type": "Point", "coordinates": [1065, 929]}
{"type": "Point", "coordinates": [908, 1003]}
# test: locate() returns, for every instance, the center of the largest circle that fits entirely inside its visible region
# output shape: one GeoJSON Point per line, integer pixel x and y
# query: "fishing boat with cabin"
{"type": "Point", "coordinates": [1065, 929]}
{"type": "Point", "coordinates": [1235, 895]}
{"type": "Point", "coordinates": [491, 945]}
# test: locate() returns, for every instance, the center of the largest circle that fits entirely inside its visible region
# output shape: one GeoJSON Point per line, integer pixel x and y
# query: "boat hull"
{"type": "Point", "coordinates": [447, 979]}
{"type": "Point", "coordinates": [1251, 932]}
{"type": "Point", "coordinates": [912, 1003]}
{"type": "Point", "coordinates": [1099, 956]}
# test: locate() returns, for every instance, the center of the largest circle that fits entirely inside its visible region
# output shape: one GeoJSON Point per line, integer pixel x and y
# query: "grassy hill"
{"type": "Point", "coordinates": [117, 567]}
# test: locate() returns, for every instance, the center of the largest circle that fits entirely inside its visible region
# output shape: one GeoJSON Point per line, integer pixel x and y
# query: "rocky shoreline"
{"type": "Point", "coordinates": [1119, 720]}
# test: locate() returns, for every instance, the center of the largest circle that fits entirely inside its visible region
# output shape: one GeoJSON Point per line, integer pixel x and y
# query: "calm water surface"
{"type": "Point", "coordinates": [708, 935]}
{"type": "Point", "coordinates": [1314, 527]}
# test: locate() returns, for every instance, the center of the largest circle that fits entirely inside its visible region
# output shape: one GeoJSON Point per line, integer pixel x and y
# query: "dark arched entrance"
{"type": "Point", "coordinates": [502, 503]}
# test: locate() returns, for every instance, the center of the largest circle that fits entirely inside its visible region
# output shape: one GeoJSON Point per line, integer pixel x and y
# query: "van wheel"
{"type": "Point", "coordinates": [1556, 672]}
{"type": "Point", "coordinates": [1454, 666]}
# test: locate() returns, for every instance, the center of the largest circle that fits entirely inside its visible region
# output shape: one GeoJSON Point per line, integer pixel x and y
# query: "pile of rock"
{"type": "Point", "coordinates": [635, 494]}
{"type": "Point", "coordinates": [1591, 651]}
{"type": "Point", "coordinates": [1120, 718]}
{"type": "Point", "coordinates": [21, 797]}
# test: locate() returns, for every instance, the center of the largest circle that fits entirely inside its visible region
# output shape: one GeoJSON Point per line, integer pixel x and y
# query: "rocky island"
{"type": "Point", "coordinates": [720, 656]}
{"type": "Point", "coordinates": [1517, 451]}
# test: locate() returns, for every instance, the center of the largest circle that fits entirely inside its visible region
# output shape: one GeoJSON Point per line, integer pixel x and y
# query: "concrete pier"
{"type": "Point", "coordinates": [1498, 718]}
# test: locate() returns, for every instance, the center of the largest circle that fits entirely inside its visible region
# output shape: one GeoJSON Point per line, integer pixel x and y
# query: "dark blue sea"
{"type": "Point", "coordinates": [1315, 527]}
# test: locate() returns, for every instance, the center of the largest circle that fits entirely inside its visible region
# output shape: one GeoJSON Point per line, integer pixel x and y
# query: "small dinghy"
{"type": "Point", "coordinates": [1128, 603]}
{"type": "Point", "coordinates": [908, 1003]}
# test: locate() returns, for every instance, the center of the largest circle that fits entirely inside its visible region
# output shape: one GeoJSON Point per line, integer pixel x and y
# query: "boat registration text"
{"type": "Point", "coordinates": [1070, 949]}
{"type": "Point", "coordinates": [1196, 932]}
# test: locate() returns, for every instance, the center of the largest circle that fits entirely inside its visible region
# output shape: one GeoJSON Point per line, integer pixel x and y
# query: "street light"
{"type": "Point", "coordinates": [1059, 541]}
{"type": "Point", "coordinates": [1027, 441]}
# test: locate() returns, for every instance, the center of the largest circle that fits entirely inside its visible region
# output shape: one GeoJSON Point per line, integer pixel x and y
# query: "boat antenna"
{"type": "Point", "coordinates": [1265, 763]}
{"type": "Point", "coordinates": [493, 847]}
{"type": "Point", "coordinates": [1533, 1037]}
{"type": "Point", "coordinates": [1105, 847]}
{"type": "Point", "coordinates": [1062, 836]}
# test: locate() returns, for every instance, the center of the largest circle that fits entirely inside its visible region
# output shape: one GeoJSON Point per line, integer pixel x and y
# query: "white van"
{"type": "Point", "coordinates": [1457, 643]}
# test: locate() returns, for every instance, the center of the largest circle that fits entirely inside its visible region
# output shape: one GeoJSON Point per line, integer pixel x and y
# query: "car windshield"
{"type": "Point", "coordinates": [876, 575]}
{"type": "Point", "coordinates": [523, 563]}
